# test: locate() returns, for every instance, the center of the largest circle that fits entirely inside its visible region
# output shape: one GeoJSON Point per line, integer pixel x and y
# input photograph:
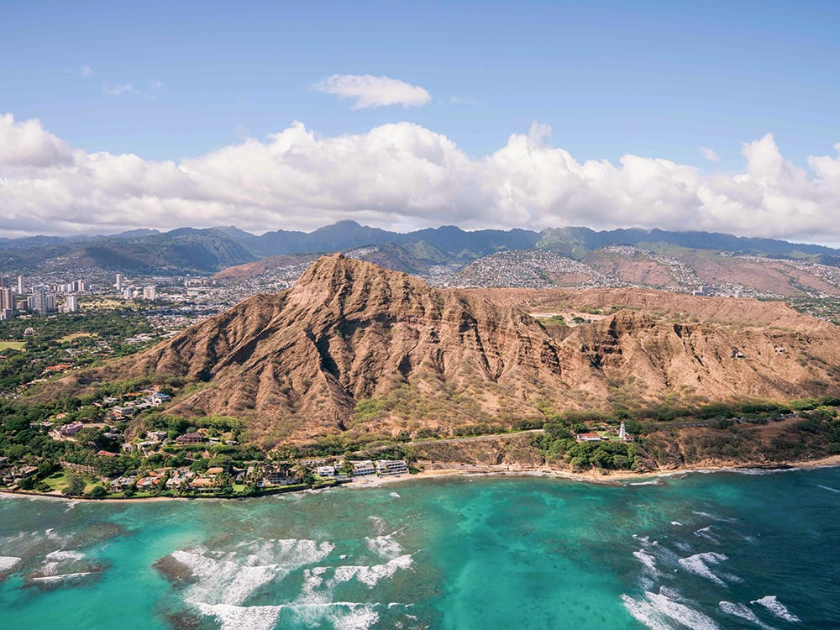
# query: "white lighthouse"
{"type": "Point", "coordinates": [622, 432]}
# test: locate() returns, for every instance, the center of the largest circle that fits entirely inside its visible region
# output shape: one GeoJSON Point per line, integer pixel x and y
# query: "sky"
{"type": "Point", "coordinates": [718, 116]}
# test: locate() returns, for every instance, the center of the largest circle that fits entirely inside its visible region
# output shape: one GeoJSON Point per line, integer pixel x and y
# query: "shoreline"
{"type": "Point", "coordinates": [602, 478]}
{"type": "Point", "coordinates": [471, 470]}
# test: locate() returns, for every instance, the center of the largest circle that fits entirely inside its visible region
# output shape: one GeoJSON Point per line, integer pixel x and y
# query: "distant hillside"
{"type": "Point", "coordinates": [188, 250]}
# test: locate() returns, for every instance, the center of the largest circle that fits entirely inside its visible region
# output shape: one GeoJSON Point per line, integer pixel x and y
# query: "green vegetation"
{"type": "Point", "coordinates": [72, 340]}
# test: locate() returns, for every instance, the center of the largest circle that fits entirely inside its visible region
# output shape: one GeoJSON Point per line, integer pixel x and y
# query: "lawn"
{"type": "Point", "coordinates": [57, 481]}
{"type": "Point", "coordinates": [12, 345]}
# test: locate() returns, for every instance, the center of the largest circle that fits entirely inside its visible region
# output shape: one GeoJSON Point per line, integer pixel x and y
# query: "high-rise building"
{"type": "Point", "coordinates": [118, 283]}
{"type": "Point", "coordinates": [20, 285]}
{"type": "Point", "coordinates": [71, 304]}
{"type": "Point", "coordinates": [7, 300]}
{"type": "Point", "coordinates": [40, 301]}
{"type": "Point", "coordinates": [150, 292]}
{"type": "Point", "coordinates": [6, 282]}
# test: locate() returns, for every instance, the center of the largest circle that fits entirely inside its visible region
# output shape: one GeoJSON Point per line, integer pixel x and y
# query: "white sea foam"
{"type": "Point", "coordinates": [395, 495]}
{"type": "Point", "coordinates": [743, 611]}
{"type": "Point", "coordinates": [373, 574]}
{"type": "Point", "coordinates": [698, 564]}
{"type": "Point", "coordinates": [652, 482]}
{"type": "Point", "coordinates": [676, 523]}
{"type": "Point", "coordinates": [7, 562]}
{"type": "Point", "coordinates": [55, 560]}
{"type": "Point", "coordinates": [63, 576]}
{"type": "Point", "coordinates": [771, 603]}
{"type": "Point", "coordinates": [706, 532]}
{"type": "Point", "coordinates": [655, 611]}
{"type": "Point", "coordinates": [646, 559]}
{"type": "Point", "coordinates": [357, 619]}
{"type": "Point", "coordinates": [243, 617]}
{"type": "Point", "coordinates": [830, 489]}
{"type": "Point", "coordinates": [385, 546]}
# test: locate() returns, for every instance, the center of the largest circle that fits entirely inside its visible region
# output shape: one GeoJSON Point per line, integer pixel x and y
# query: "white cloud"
{"type": "Point", "coordinates": [86, 72]}
{"type": "Point", "coordinates": [117, 89]}
{"type": "Point", "coordinates": [26, 144]}
{"type": "Point", "coordinates": [404, 175]}
{"type": "Point", "coordinates": [370, 91]}
{"type": "Point", "coordinates": [709, 154]}
{"type": "Point", "coordinates": [155, 84]}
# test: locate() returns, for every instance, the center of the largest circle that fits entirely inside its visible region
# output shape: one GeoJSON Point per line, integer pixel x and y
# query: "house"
{"type": "Point", "coordinates": [202, 485]}
{"type": "Point", "coordinates": [178, 477]}
{"type": "Point", "coordinates": [391, 467]}
{"type": "Point", "coordinates": [148, 483]}
{"type": "Point", "coordinates": [157, 399]}
{"type": "Point", "coordinates": [588, 437]}
{"type": "Point", "coordinates": [71, 429]}
{"type": "Point", "coordinates": [278, 478]}
{"type": "Point", "coordinates": [325, 471]}
{"type": "Point", "coordinates": [122, 484]}
{"type": "Point", "coordinates": [216, 470]}
{"type": "Point", "coordinates": [190, 438]}
{"type": "Point", "coordinates": [361, 469]}
{"type": "Point", "coordinates": [156, 436]}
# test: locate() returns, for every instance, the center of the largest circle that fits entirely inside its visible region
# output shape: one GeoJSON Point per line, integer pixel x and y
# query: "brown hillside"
{"type": "Point", "coordinates": [351, 335]}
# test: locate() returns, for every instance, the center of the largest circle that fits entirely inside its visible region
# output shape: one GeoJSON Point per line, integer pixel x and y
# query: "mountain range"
{"type": "Point", "coordinates": [189, 250]}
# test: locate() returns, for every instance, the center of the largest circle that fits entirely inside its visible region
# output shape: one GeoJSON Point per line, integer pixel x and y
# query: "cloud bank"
{"type": "Point", "coordinates": [403, 176]}
{"type": "Point", "coordinates": [371, 91]}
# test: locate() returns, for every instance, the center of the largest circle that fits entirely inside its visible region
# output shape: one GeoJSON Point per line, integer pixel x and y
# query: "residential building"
{"type": "Point", "coordinates": [150, 293]}
{"type": "Point", "coordinates": [190, 438]}
{"type": "Point", "coordinates": [391, 467]}
{"type": "Point", "coordinates": [361, 469]}
{"type": "Point", "coordinates": [71, 304]}
{"type": "Point", "coordinates": [325, 471]}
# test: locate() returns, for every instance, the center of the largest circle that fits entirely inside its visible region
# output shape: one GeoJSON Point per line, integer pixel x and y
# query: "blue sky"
{"type": "Point", "coordinates": [651, 79]}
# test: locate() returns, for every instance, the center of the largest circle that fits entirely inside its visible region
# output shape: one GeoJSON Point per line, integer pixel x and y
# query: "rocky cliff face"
{"type": "Point", "coordinates": [353, 336]}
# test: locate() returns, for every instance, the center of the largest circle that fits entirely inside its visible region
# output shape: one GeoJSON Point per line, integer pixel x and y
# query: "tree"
{"type": "Point", "coordinates": [75, 485]}
{"type": "Point", "coordinates": [97, 492]}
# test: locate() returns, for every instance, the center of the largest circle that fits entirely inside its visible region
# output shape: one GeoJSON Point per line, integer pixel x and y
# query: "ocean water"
{"type": "Point", "coordinates": [704, 551]}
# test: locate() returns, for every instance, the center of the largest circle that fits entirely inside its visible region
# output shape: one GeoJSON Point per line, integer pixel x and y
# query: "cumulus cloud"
{"type": "Point", "coordinates": [26, 144]}
{"type": "Point", "coordinates": [404, 175]}
{"type": "Point", "coordinates": [86, 72]}
{"type": "Point", "coordinates": [709, 154]}
{"type": "Point", "coordinates": [371, 91]}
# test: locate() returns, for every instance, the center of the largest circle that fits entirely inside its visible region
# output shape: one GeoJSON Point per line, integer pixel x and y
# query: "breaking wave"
{"type": "Point", "coordinates": [698, 564]}
{"type": "Point", "coordinates": [743, 611]}
{"type": "Point", "coordinates": [655, 610]}
{"type": "Point", "coordinates": [771, 603]}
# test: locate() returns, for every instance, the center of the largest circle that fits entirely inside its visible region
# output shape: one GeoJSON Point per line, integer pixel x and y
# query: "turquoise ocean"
{"type": "Point", "coordinates": [722, 550]}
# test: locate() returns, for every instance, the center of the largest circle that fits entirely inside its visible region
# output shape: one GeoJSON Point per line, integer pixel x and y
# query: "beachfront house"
{"type": "Point", "coordinates": [391, 467]}
{"type": "Point", "coordinates": [364, 468]}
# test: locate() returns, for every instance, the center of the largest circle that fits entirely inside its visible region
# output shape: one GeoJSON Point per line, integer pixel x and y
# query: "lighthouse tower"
{"type": "Point", "coordinates": [622, 432]}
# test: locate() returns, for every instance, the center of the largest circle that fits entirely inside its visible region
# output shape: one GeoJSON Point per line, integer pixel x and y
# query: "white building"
{"type": "Point", "coordinates": [119, 282]}
{"type": "Point", "coordinates": [361, 469]}
{"type": "Point", "coordinates": [325, 471]}
{"type": "Point", "coordinates": [150, 293]}
{"type": "Point", "coordinates": [391, 467]}
{"type": "Point", "coordinates": [71, 304]}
